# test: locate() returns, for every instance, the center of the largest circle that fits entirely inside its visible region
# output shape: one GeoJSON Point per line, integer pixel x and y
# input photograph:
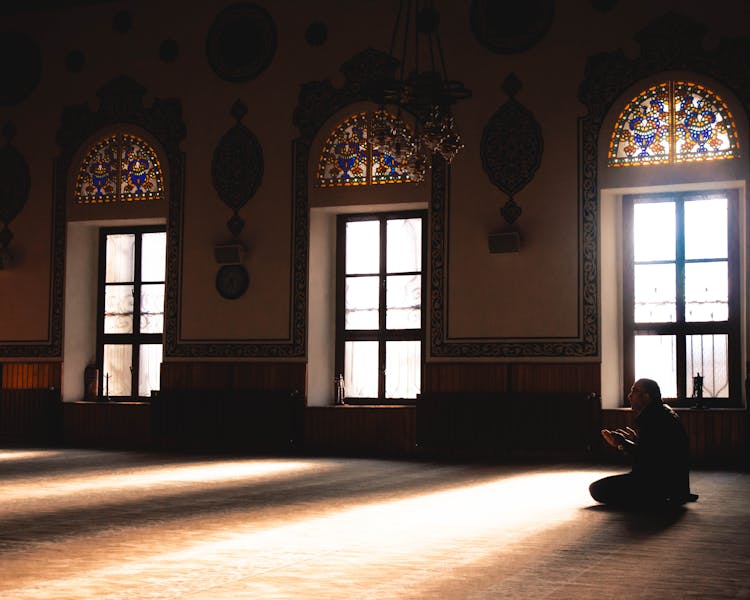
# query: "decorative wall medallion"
{"type": "Point", "coordinates": [316, 34]}
{"type": "Point", "coordinates": [20, 67]}
{"type": "Point", "coordinates": [511, 148]}
{"type": "Point", "coordinates": [169, 50]}
{"type": "Point", "coordinates": [237, 167]}
{"type": "Point", "coordinates": [604, 5]}
{"type": "Point", "coordinates": [241, 42]}
{"type": "Point", "coordinates": [507, 27]}
{"type": "Point", "coordinates": [15, 182]}
{"type": "Point", "coordinates": [75, 61]}
{"type": "Point", "coordinates": [232, 281]}
{"type": "Point", "coordinates": [122, 22]}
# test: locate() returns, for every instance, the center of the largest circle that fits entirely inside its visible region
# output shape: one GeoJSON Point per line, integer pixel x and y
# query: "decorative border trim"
{"type": "Point", "coordinates": [672, 42]}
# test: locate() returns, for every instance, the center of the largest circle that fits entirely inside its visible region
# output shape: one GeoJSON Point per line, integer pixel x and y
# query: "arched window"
{"type": "Point", "coordinates": [348, 158]}
{"type": "Point", "coordinates": [119, 168]}
{"type": "Point", "coordinates": [673, 122]}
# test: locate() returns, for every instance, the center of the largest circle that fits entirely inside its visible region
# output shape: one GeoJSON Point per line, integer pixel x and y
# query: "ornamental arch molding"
{"type": "Point", "coordinates": [120, 103]}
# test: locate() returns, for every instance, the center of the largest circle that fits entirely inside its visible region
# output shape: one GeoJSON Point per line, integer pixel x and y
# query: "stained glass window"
{"type": "Point", "coordinates": [119, 168]}
{"type": "Point", "coordinates": [673, 122]}
{"type": "Point", "coordinates": [348, 158]}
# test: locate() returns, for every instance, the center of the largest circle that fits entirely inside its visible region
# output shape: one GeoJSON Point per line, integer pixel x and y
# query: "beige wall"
{"type": "Point", "coordinates": [533, 293]}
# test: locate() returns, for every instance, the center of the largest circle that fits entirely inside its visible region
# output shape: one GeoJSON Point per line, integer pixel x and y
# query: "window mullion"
{"type": "Point", "coordinates": [382, 308]}
{"type": "Point", "coordinates": [681, 343]}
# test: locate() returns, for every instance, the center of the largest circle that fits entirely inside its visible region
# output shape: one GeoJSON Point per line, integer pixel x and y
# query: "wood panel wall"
{"type": "Point", "coordinates": [717, 436]}
{"type": "Point", "coordinates": [361, 430]}
{"type": "Point", "coordinates": [107, 424]}
{"type": "Point", "coordinates": [30, 375]}
{"type": "Point", "coordinates": [233, 376]}
{"type": "Point", "coordinates": [512, 377]}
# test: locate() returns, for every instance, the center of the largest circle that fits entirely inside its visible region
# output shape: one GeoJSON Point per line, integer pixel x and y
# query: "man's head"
{"type": "Point", "coordinates": [643, 392]}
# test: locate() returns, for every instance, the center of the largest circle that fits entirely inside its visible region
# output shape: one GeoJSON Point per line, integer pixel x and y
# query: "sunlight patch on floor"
{"type": "Point", "coordinates": [147, 481]}
{"type": "Point", "coordinates": [340, 548]}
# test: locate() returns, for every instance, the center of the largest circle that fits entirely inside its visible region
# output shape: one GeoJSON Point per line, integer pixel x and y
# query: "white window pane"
{"type": "Point", "coordinates": [706, 291]}
{"type": "Point", "coordinates": [362, 247]}
{"type": "Point", "coordinates": [118, 309]}
{"type": "Point", "coordinates": [654, 231]}
{"type": "Point", "coordinates": [706, 228]}
{"type": "Point", "coordinates": [655, 292]}
{"type": "Point", "coordinates": [152, 308]}
{"type": "Point", "coordinates": [361, 303]}
{"type": "Point", "coordinates": [149, 368]}
{"type": "Point", "coordinates": [361, 369]}
{"type": "Point", "coordinates": [404, 245]}
{"type": "Point", "coordinates": [120, 258]}
{"type": "Point", "coordinates": [403, 362]}
{"type": "Point", "coordinates": [656, 358]}
{"type": "Point", "coordinates": [708, 356]}
{"type": "Point", "coordinates": [403, 302]}
{"type": "Point", "coordinates": [153, 256]}
{"type": "Point", "coordinates": [118, 359]}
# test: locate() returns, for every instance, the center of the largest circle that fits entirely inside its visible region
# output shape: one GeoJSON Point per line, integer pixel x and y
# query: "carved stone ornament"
{"type": "Point", "coordinates": [509, 27]}
{"type": "Point", "coordinates": [237, 167]}
{"type": "Point", "coordinates": [511, 148]}
{"type": "Point", "coordinates": [241, 42]}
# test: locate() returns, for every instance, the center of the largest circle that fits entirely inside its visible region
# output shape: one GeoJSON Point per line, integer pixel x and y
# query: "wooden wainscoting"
{"type": "Point", "coordinates": [512, 377]}
{"type": "Point", "coordinates": [361, 430]}
{"type": "Point", "coordinates": [718, 436]}
{"type": "Point", "coordinates": [248, 420]}
{"type": "Point", "coordinates": [32, 416]}
{"type": "Point", "coordinates": [508, 425]}
{"type": "Point", "coordinates": [30, 375]}
{"type": "Point", "coordinates": [229, 376]}
{"type": "Point", "coordinates": [30, 407]}
{"type": "Point", "coordinates": [107, 424]}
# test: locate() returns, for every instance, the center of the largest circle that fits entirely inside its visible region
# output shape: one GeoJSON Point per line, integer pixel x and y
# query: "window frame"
{"type": "Point", "coordinates": [681, 328]}
{"type": "Point", "coordinates": [136, 338]}
{"type": "Point", "coordinates": [381, 334]}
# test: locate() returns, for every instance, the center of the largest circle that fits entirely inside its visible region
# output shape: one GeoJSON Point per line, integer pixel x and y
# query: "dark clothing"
{"type": "Point", "coordinates": [661, 463]}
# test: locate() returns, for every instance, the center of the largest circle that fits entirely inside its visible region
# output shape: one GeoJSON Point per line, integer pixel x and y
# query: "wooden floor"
{"type": "Point", "coordinates": [89, 524]}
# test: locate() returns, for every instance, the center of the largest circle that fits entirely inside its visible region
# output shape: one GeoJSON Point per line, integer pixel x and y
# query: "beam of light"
{"type": "Point", "coordinates": [27, 454]}
{"type": "Point", "coordinates": [403, 543]}
{"type": "Point", "coordinates": [146, 481]}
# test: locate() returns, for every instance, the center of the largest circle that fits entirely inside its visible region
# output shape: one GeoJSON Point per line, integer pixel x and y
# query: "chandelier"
{"type": "Point", "coordinates": [425, 92]}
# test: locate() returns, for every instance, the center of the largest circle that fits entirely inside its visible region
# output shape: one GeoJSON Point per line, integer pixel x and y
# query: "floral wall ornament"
{"type": "Point", "coordinates": [511, 148]}
{"type": "Point", "coordinates": [237, 167]}
{"type": "Point", "coordinates": [15, 182]}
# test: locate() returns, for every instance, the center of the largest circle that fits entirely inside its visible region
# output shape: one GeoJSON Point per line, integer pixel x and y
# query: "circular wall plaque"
{"type": "Point", "coordinates": [232, 281]}
{"type": "Point", "coordinates": [241, 42]}
{"type": "Point", "coordinates": [20, 67]}
{"type": "Point", "coordinates": [508, 27]}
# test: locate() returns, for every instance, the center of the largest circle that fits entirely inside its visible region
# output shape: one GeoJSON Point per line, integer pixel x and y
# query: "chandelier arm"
{"type": "Point", "coordinates": [404, 58]}
{"type": "Point", "coordinates": [442, 57]}
{"type": "Point", "coordinates": [392, 49]}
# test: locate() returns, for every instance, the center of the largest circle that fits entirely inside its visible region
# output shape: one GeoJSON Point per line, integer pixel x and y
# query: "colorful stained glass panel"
{"type": "Point", "coordinates": [704, 129]}
{"type": "Point", "coordinates": [641, 135]}
{"type": "Point", "coordinates": [140, 175]}
{"type": "Point", "coordinates": [344, 157]}
{"type": "Point", "coordinates": [119, 168]}
{"type": "Point", "coordinates": [97, 177]}
{"type": "Point", "coordinates": [348, 158]}
{"type": "Point", "coordinates": [673, 122]}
